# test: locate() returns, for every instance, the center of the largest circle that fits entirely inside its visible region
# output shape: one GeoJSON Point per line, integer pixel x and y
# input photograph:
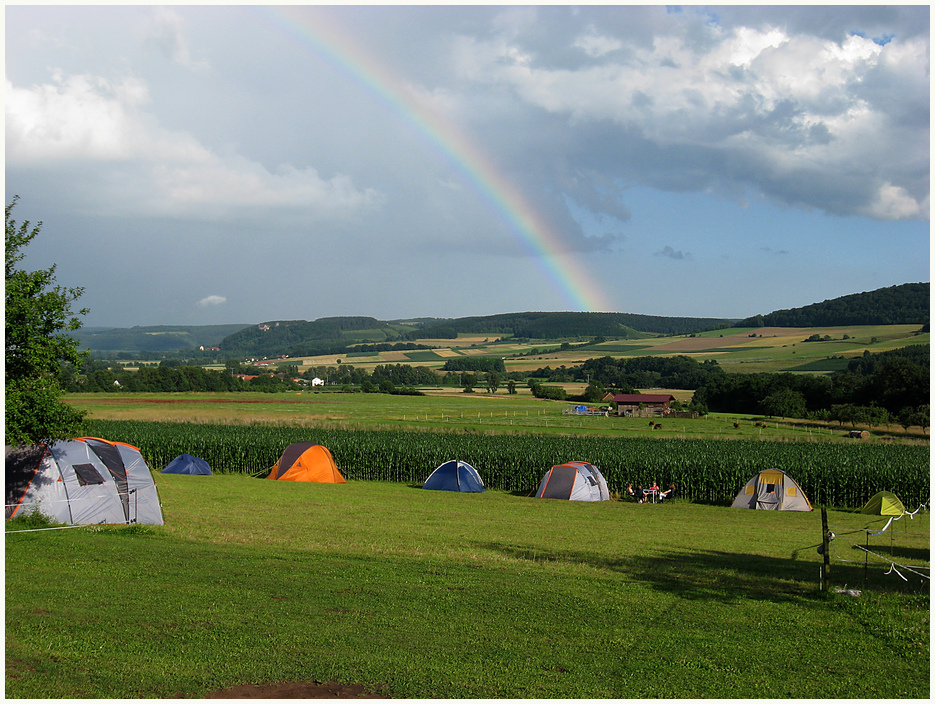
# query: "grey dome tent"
{"type": "Point", "coordinates": [455, 475]}
{"type": "Point", "coordinates": [574, 481]}
{"type": "Point", "coordinates": [772, 490]}
{"type": "Point", "coordinates": [187, 464]}
{"type": "Point", "coordinates": [81, 482]}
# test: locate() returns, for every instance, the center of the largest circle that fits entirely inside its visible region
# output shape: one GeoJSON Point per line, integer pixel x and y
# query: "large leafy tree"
{"type": "Point", "coordinates": [38, 317]}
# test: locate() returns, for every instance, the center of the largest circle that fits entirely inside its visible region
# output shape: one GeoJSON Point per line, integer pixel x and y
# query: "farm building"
{"type": "Point", "coordinates": [643, 404]}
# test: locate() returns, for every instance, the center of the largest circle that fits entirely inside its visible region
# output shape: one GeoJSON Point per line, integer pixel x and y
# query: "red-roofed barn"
{"type": "Point", "coordinates": [643, 404]}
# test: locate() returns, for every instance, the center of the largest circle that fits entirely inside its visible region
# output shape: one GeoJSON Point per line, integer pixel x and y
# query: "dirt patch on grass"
{"type": "Point", "coordinates": [297, 690]}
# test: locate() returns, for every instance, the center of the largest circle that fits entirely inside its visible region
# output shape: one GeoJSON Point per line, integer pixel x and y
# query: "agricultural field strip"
{"type": "Point", "coordinates": [713, 471]}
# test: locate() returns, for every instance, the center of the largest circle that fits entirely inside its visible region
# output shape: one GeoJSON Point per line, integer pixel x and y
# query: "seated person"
{"type": "Point", "coordinates": [639, 494]}
{"type": "Point", "coordinates": [654, 487]}
{"type": "Point", "coordinates": [668, 493]}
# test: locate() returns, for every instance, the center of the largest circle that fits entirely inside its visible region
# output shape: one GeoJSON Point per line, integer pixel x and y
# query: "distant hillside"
{"type": "Point", "coordinates": [551, 326]}
{"type": "Point", "coordinates": [301, 338]}
{"type": "Point", "coordinates": [907, 304]}
{"type": "Point", "coordinates": [155, 338]}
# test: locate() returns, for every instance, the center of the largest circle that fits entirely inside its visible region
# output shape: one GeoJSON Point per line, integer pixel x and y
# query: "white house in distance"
{"type": "Point", "coordinates": [318, 382]}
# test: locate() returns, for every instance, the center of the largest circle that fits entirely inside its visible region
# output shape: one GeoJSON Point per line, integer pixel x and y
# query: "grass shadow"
{"type": "Point", "coordinates": [719, 576]}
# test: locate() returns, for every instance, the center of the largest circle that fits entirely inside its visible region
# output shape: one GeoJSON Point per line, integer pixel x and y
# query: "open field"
{"type": "Point", "coordinates": [420, 594]}
{"type": "Point", "coordinates": [446, 409]}
{"type": "Point", "coordinates": [744, 350]}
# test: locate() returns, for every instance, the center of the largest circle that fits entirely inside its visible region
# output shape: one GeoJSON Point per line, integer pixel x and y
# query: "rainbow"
{"type": "Point", "coordinates": [328, 39]}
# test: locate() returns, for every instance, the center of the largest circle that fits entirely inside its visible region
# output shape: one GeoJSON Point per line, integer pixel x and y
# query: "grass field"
{"type": "Point", "coordinates": [443, 409]}
{"type": "Point", "coordinates": [743, 350]}
{"type": "Point", "coordinates": [438, 595]}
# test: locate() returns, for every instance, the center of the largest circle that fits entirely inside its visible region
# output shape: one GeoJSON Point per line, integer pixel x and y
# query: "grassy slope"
{"type": "Point", "coordinates": [453, 596]}
{"type": "Point", "coordinates": [772, 350]}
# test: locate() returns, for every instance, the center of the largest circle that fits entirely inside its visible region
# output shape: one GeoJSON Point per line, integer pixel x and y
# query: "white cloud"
{"type": "Point", "coordinates": [771, 104]}
{"type": "Point", "coordinates": [211, 301]}
{"type": "Point", "coordinates": [165, 30]}
{"type": "Point", "coordinates": [87, 119]}
{"type": "Point", "coordinates": [595, 45]}
{"type": "Point", "coordinates": [79, 116]}
{"type": "Point", "coordinates": [894, 203]}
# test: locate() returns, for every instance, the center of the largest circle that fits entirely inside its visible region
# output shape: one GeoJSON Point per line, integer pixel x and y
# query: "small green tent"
{"type": "Point", "coordinates": [884, 503]}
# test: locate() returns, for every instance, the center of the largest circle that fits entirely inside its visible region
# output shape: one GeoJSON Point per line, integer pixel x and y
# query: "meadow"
{"type": "Point", "coordinates": [421, 594]}
{"type": "Point", "coordinates": [447, 410]}
{"type": "Point", "coordinates": [418, 594]}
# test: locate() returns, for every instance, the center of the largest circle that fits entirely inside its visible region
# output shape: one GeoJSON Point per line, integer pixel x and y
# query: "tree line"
{"type": "Point", "coordinates": [906, 304]}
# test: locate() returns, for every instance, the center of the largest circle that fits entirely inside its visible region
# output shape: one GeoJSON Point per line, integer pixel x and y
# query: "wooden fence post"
{"type": "Point", "coordinates": [825, 544]}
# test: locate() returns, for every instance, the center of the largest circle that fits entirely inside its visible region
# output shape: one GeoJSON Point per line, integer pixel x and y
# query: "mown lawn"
{"type": "Point", "coordinates": [438, 595]}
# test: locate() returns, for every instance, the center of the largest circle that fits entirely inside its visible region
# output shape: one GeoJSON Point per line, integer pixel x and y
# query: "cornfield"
{"type": "Point", "coordinates": [710, 471]}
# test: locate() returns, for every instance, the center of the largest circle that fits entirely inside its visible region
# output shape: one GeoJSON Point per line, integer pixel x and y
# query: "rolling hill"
{"type": "Point", "coordinates": [896, 305]}
{"type": "Point", "coordinates": [906, 304]}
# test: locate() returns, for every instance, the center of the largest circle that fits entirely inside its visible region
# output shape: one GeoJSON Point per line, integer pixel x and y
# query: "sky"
{"type": "Point", "coordinates": [198, 165]}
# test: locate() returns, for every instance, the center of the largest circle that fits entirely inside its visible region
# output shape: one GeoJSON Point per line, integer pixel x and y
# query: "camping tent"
{"type": "Point", "coordinates": [772, 490]}
{"type": "Point", "coordinates": [187, 464]}
{"type": "Point", "coordinates": [81, 481]}
{"type": "Point", "coordinates": [884, 503]}
{"type": "Point", "coordinates": [454, 475]}
{"type": "Point", "coordinates": [575, 481]}
{"type": "Point", "coordinates": [306, 462]}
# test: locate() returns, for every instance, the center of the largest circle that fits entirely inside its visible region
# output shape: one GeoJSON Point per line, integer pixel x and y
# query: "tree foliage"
{"type": "Point", "coordinates": [38, 317]}
{"type": "Point", "coordinates": [906, 304]}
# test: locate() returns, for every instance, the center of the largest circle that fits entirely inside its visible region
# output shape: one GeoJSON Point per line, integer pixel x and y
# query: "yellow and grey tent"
{"type": "Point", "coordinates": [772, 490]}
{"type": "Point", "coordinates": [884, 503]}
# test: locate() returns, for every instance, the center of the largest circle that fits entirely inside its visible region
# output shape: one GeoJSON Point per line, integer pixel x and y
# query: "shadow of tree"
{"type": "Point", "coordinates": [716, 575]}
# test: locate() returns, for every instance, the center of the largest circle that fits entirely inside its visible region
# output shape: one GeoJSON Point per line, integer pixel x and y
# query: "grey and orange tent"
{"type": "Point", "coordinates": [84, 481]}
{"type": "Point", "coordinates": [306, 462]}
{"type": "Point", "coordinates": [573, 481]}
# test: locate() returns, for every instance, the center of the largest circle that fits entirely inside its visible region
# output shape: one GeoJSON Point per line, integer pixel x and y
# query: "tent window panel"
{"type": "Point", "coordinates": [770, 488]}
{"type": "Point", "coordinates": [87, 474]}
{"type": "Point", "coordinates": [750, 490]}
{"type": "Point", "coordinates": [790, 491]}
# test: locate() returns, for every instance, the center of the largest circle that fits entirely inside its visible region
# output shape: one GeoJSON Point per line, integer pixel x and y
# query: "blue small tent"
{"type": "Point", "coordinates": [454, 475]}
{"type": "Point", "coordinates": [187, 464]}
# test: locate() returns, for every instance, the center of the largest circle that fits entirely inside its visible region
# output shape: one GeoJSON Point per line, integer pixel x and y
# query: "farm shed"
{"type": "Point", "coordinates": [643, 404]}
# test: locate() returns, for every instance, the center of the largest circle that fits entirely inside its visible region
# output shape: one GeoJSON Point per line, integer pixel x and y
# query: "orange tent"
{"type": "Point", "coordinates": [307, 462]}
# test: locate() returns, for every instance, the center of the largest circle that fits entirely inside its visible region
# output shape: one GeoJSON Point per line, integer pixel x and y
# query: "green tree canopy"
{"type": "Point", "coordinates": [38, 316]}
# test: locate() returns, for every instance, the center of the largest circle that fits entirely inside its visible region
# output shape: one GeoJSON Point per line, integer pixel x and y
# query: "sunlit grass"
{"type": "Point", "coordinates": [442, 595]}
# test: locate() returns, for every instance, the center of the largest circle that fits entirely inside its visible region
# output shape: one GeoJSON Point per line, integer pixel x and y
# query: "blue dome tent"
{"type": "Point", "coordinates": [454, 475]}
{"type": "Point", "coordinates": [187, 464]}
